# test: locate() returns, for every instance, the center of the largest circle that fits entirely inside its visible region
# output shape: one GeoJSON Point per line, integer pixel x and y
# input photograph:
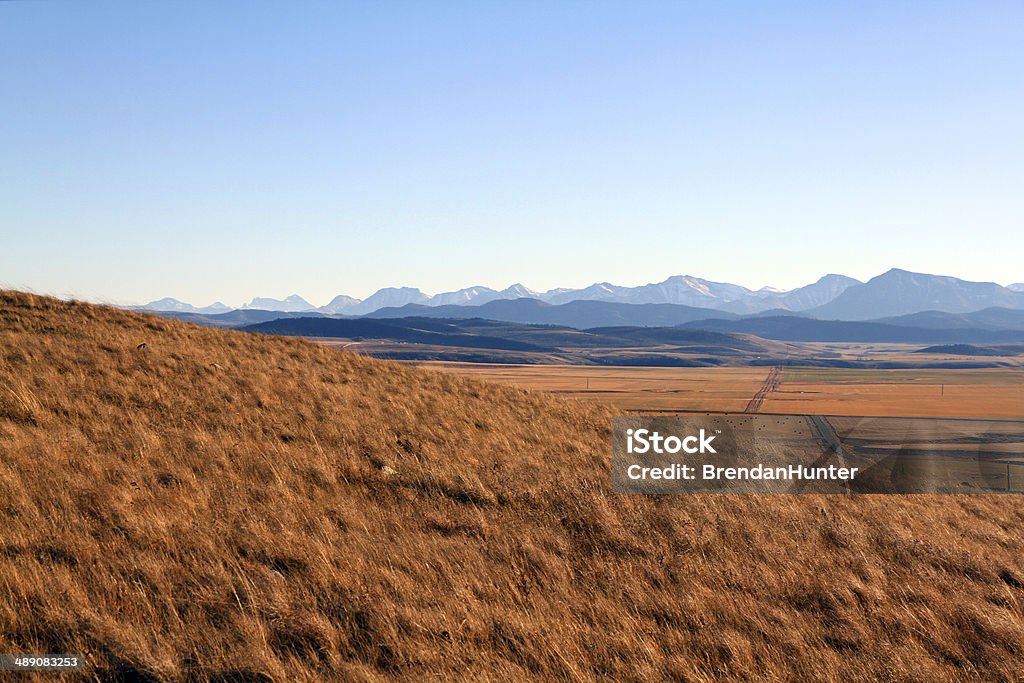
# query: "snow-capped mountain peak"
{"type": "Point", "coordinates": [389, 297]}
{"type": "Point", "coordinates": [290, 304]}
{"type": "Point", "coordinates": [172, 304]}
{"type": "Point", "coordinates": [469, 295]}
{"type": "Point", "coordinates": [677, 289]}
{"type": "Point", "coordinates": [518, 291]}
{"type": "Point", "coordinates": [340, 304]}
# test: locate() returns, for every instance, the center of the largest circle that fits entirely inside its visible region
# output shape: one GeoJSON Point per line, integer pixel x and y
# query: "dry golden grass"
{"type": "Point", "coordinates": [220, 506]}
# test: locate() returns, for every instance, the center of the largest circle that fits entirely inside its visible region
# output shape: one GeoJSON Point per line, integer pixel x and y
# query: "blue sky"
{"type": "Point", "coordinates": [228, 150]}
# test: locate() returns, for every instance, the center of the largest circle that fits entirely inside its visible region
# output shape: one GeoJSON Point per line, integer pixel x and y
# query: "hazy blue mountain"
{"type": "Point", "coordinates": [579, 314]}
{"type": "Point", "coordinates": [507, 336]}
{"type": "Point", "coordinates": [678, 289]}
{"type": "Point", "coordinates": [215, 307]}
{"type": "Point", "coordinates": [464, 297]}
{"type": "Point", "coordinates": [796, 328]}
{"type": "Point", "coordinates": [816, 294]}
{"type": "Point", "coordinates": [693, 291]}
{"type": "Point", "coordinates": [388, 297]}
{"type": "Point", "coordinates": [601, 291]}
{"type": "Point", "coordinates": [995, 318]}
{"type": "Point", "coordinates": [479, 295]}
{"type": "Point", "coordinates": [518, 291]}
{"type": "Point", "coordinates": [899, 292]}
{"type": "Point", "coordinates": [340, 304]}
{"type": "Point", "coordinates": [171, 304]}
{"type": "Point", "coordinates": [683, 290]}
{"type": "Point", "coordinates": [409, 331]}
{"type": "Point", "coordinates": [235, 318]}
{"type": "Point", "coordinates": [971, 350]}
{"type": "Point", "coordinates": [772, 312]}
{"type": "Point", "coordinates": [291, 304]}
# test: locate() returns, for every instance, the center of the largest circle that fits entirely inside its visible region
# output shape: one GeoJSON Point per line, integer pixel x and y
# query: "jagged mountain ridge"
{"type": "Point", "coordinates": [291, 304]}
{"type": "Point", "coordinates": [896, 292]}
{"type": "Point", "coordinates": [171, 304]}
{"type": "Point", "coordinates": [678, 289]}
{"type": "Point", "coordinates": [900, 292]}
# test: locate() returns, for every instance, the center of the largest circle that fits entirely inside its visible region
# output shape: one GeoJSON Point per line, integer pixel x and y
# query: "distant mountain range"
{"type": "Point", "coordinates": [991, 326]}
{"type": "Point", "coordinates": [899, 292]}
{"type": "Point", "coordinates": [751, 341]}
{"type": "Point", "coordinates": [985, 319]}
{"type": "Point", "coordinates": [169, 304]}
{"type": "Point", "coordinates": [292, 304]}
{"type": "Point", "coordinates": [491, 341]}
{"type": "Point", "coordinates": [578, 314]}
{"type": "Point", "coordinates": [835, 297]}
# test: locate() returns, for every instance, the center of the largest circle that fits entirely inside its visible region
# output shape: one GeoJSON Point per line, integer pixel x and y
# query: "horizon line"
{"type": "Point", "coordinates": [137, 303]}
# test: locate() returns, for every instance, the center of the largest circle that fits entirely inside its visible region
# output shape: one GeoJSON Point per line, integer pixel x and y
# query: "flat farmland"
{"type": "Point", "coordinates": [924, 393]}
{"type": "Point", "coordinates": [631, 388]}
{"type": "Point", "coordinates": [800, 391]}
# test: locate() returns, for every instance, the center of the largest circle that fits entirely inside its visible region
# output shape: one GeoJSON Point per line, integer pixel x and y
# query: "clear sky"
{"type": "Point", "coordinates": [228, 150]}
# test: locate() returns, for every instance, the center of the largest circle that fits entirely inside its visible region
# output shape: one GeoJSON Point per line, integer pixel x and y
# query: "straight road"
{"type": "Point", "coordinates": [830, 440]}
{"type": "Point", "coordinates": [770, 384]}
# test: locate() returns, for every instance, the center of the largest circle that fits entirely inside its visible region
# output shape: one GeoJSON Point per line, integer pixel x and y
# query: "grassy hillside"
{"type": "Point", "coordinates": [225, 506]}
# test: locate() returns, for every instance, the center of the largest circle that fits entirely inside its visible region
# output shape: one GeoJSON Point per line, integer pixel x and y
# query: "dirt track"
{"type": "Point", "coordinates": [771, 383]}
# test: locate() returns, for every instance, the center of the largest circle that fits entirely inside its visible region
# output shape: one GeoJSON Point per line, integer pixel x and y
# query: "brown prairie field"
{"type": "Point", "coordinates": [648, 389]}
{"type": "Point", "coordinates": [180, 503]}
{"type": "Point", "coordinates": [918, 392]}
{"type": "Point", "coordinates": [802, 391]}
